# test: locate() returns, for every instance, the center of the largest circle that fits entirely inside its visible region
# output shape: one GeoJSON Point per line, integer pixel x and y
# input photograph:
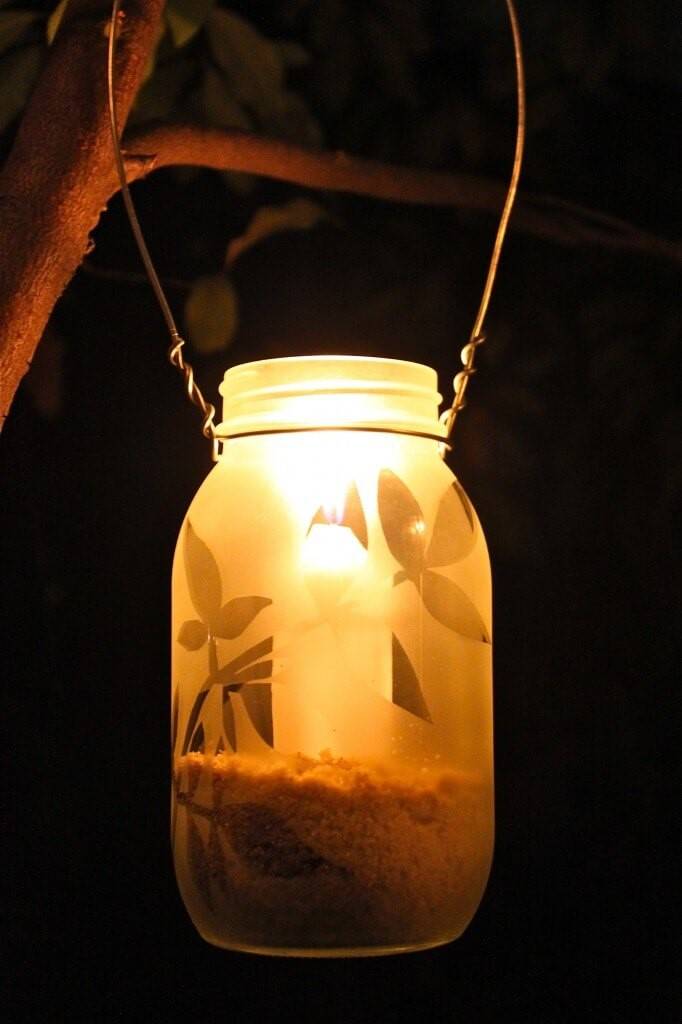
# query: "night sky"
{"type": "Point", "coordinates": [569, 449]}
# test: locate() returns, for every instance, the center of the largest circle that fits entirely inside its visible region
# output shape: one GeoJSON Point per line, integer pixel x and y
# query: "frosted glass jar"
{"type": "Point", "coordinates": [331, 673]}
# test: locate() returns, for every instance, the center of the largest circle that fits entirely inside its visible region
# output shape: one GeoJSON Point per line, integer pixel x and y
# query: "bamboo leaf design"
{"type": "Point", "coordinates": [453, 531]}
{"type": "Point", "coordinates": [228, 673]}
{"type": "Point", "coordinates": [194, 718]}
{"type": "Point", "coordinates": [228, 719]}
{"type": "Point", "coordinates": [451, 607]}
{"type": "Point", "coordinates": [407, 692]}
{"type": "Point", "coordinates": [198, 742]}
{"type": "Point", "coordinates": [193, 634]}
{"type": "Point", "coordinates": [258, 704]}
{"type": "Point", "coordinates": [402, 522]}
{"type": "Point", "coordinates": [236, 615]}
{"type": "Point", "coordinates": [253, 673]}
{"type": "Point", "coordinates": [203, 577]}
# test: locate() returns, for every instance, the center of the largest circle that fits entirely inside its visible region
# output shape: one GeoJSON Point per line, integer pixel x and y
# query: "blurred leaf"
{"type": "Point", "coordinates": [451, 607]}
{"type": "Point", "coordinates": [18, 72]}
{"type": "Point", "coordinates": [402, 522]}
{"type": "Point", "coordinates": [390, 57]}
{"type": "Point", "coordinates": [13, 24]}
{"type": "Point", "coordinates": [203, 577]}
{"type": "Point", "coordinates": [258, 704]}
{"type": "Point", "coordinates": [407, 692]}
{"type": "Point", "coordinates": [293, 121]}
{"type": "Point", "coordinates": [251, 63]}
{"type": "Point", "coordinates": [185, 18]}
{"type": "Point", "coordinates": [159, 94]}
{"type": "Point", "coordinates": [292, 54]}
{"type": "Point", "coordinates": [237, 614]}
{"type": "Point", "coordinates": [453, 536]}
{"type": "Point", "coordinates": [211, 313]}
{"type": "Point", "coordinates": [296, 215]}
{"type": "Point", "coordinates": [193, 634]}
{"type": "Point", "coordinates": [54, 21]}
{"type": "Point", "coordinates": [220, 106]}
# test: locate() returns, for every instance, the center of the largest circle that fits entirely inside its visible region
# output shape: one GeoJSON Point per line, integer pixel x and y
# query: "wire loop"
{"type": "Point", "coordinates": [175, 353]}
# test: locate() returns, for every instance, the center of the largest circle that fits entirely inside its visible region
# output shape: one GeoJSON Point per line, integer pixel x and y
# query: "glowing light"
{"type": "Point", "coordinates": [333, 549]}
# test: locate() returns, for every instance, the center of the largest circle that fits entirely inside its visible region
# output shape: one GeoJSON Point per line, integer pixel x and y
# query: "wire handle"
{"type": "Point", "coordinates": [175, 353]}
{"type": "Point", "coordinates": [477, 337]}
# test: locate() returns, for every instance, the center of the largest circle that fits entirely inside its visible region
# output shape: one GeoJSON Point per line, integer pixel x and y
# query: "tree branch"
{"type": "Point", "coordinates": [235, 150]}
{"type": "Point", "coordinates": [57, 178]}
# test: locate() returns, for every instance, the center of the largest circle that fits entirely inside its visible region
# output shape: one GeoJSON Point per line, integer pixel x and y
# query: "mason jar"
{"type": "Point", "coordinates": [331, 669]}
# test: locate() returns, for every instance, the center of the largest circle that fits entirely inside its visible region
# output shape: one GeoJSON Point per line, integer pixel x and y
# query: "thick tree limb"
{"type": "Point", "coordinates": [57, 178]}
{"type": "Point", "coordinates": [234, 150]}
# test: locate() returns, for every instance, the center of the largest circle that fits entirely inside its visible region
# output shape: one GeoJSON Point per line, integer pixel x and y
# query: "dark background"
{"type": "Point", "coordinates": [569, 449]}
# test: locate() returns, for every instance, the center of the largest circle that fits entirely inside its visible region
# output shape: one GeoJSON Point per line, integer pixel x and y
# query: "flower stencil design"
{"type": "Point", "coordinates": [225, 621]}
{"type": "Point", "coordinates": [452, 538]}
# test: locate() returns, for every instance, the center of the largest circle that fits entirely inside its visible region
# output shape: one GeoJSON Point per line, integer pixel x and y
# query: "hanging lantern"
{"type": "Point", "coordinates": [332, 787]}
{"type": "Point", "coordinates": [332, 747]}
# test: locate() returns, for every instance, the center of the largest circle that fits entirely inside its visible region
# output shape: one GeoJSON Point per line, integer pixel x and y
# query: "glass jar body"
{"type": "Point", "coordinates": [332, 712]}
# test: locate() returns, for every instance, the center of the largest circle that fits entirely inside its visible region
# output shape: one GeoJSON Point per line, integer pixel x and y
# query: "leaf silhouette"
{"type": "Point", "coordinates": [453, 533]}
{"type": "Point", "coordinates": [229, 673]}
{"type": "Point", "coordinates": [198, 743]}
{"type": "Point", "coordinates": [258, 703]}
{"type": "Point", "coordinates": [252, 673]}
{"type": "Point", "coordinates": [466, 504]}
{"type": "Point", "coordinates": [402, 522]}
{"type": "Point", "coordinates": [400, 577]}
{"type": "Point", "coordinates": [237, 614]}
{"type": "Point", "coordinates": [228, 719]}
{"type": "Point", "coordinates": [407, 692]}
{"type": "Point", "coordinates": [353, 514]}
{"type": "Point", "coordinates": [193, 634]}
{"type": "Point", "coordinates": [451, 607]}
{"type": "Point", "coordinates": [203, 577]}
{"type": "Point", "coordinates": [194, 718]}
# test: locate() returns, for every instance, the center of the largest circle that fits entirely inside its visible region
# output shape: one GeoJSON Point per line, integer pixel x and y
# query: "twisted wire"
{"type": "Point", "coordinates": [477, 337]}
{"type": "Point", "coordinates": [175, 351]}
